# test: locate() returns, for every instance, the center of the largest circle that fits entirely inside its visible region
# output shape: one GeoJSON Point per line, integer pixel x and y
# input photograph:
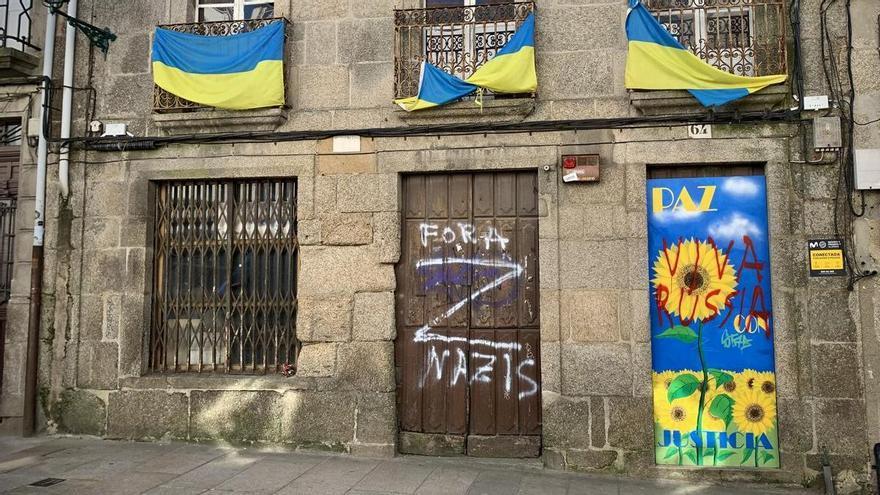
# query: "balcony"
{"type": "Point", "coordinates": [165, 102]}
{"type": "Point", "coordinates": [17, 57]}
{"type": "Point", "coordinates": [456, 39]}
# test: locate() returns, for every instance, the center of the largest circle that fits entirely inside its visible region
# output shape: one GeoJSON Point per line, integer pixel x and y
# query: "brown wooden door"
{"type": "Point", "coordinates": [468, 343]}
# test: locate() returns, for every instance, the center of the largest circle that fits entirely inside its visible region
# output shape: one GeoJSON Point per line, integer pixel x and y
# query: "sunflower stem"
{"type": "Point", "coordinates": [680, 455]}
{"type": "Point", "coordinates": [703, 387]}
{"type": "Point", "coordinates": [756, 453]}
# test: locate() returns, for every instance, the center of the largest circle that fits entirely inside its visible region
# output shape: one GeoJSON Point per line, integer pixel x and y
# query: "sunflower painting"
{"type": "Point", "coordinates": [711, 323]}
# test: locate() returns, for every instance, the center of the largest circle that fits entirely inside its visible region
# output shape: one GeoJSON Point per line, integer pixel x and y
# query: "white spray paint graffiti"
{"type": "Point", "coordinates": [484, 364]}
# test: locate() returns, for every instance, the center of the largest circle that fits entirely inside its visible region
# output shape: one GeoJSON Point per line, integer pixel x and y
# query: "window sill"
{"type": "Point", "coordinates": [16, 63]}
{"type": "Point", "coordinates": [218, 381]}
{"type": "Point", "coordinates": [213, 120]}
{"type": "Point", "coordinates": [505, 110]}
{"type": "Point", "coordinates": [682, 103]}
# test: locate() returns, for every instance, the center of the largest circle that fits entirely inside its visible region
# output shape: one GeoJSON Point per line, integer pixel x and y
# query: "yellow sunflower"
{"type": "Point", "coordinates": [662, 381]}
{"type": "Point", "coordinates": [766, 383]}
{"type": "Point", "coordinates": [748, 379]}
{"type": "Point", "coordinates": [753, 411]}
{"type": "Point", "coordinates": [679, 415]}
{"type": "Point", "coordinates": [691, 278]}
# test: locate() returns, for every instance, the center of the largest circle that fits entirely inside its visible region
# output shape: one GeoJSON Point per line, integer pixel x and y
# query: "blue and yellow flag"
{"type": "Point", "coordinates": [511, 70]}
{"type": "Point", "coordinates": [235, 72]}
{"type": "Point", "coordinates": [656, 60]}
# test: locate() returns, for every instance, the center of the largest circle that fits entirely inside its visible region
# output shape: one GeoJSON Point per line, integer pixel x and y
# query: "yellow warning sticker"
{"type": "Point", "coordinates": [826, 259]}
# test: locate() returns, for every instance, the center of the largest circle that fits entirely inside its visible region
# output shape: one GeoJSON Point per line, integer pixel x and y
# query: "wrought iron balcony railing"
{"type": "Point", "coordinates": [165, 102]}
{"type": "Point", "coordinates": [456, 39]}
{"type": "Point", "coordinates": [743, 37]}
{"type": "Point", "coordinates": [15, 31]}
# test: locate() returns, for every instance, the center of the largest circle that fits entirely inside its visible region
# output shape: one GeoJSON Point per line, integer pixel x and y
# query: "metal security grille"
{"type": "Point", "coordinates": [224, 295]}
{"type": "Point", "coordinates": [743, 37]}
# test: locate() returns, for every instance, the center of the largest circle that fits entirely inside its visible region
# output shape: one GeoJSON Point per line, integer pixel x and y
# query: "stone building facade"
{"type": "Point", "coordinates": [97, 374]}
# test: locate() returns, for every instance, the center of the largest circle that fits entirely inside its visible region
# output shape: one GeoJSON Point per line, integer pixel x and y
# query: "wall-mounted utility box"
{"type": "Point", "coordinates": [826, 134]}
{"type": "Point", "coordinates": [580, 168]}
{"type": "Point", "coordinates": [866, 164]}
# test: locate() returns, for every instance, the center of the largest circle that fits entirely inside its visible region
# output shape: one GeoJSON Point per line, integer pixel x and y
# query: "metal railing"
{"type": "Point", "coordinates": [224, 293]}
{"type": "Point", "coordinates": [743, 37]}
{"type": "Point", "coordinates": [15, 31]}
{"type": "Point", "coordinates": [163, 101]}
{"type": "Point", "coordinates": [456, 39]}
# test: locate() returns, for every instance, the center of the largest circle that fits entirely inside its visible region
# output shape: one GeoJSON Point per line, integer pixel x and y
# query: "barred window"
{"type": "Point", "coordinates": [224, 295]}
{"type": "Point", "coordinates": [234, 10]}
{"type": "Point", "coordinates": [743, 37]}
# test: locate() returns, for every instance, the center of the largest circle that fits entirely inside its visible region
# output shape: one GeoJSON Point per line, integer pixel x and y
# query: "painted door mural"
{"type": "Point", "coordinates": [467, 349]}
{"type": "Point", "coordinates": [711, 322]}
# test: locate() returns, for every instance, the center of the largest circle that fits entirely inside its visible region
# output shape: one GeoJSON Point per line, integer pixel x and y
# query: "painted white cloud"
{"type": "Point", "coordinates": [739, 186]}
{"type": "Point", "coordinates": [676, 215]}
{"type": "Point", "coordinates": [734, 227]}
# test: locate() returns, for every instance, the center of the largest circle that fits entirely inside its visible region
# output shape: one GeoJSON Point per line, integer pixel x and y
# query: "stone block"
{"type": "Point", "coordinates": [104, 268]}
{"type": "Point", "coordinates": [634, 311]}
{"type": "Point", "coordinates": [235, 416]}
{"type": "Point", "coordinates": [98, 366]}
{"type": "Point", "coordinates": [795, 419]}
{"type": "Point", "coordinates": [127, 95]}
{"type": "Point", "coordinates": [553, 459]}
{"type": "Point", "coordinates": [318, 419]}
{"type": "Point", "coordinates": [376, 418]}
{"type": "Point", "coordinates": [365, 40]}
{"type": "Point", "coordinates": [371, 84]}
{"type": "Point", "coordinates": [382, 451]}
{"type": "Point", "coordinates": [590, 460]}
{"type": "Point", "coordinates": [829, 314]}
{"type": "Point", "coordinates": [325, 194]}
{"type": "Point", "coordinates": [589, 315]}
{"type": "Point", "coordinates": [347, 229]}
{"type": "Point", "coordinates": [594, 264]}
{"type": "Point", "coordinates": [836, 371]}
{"type": "Point", "coordinates": [147, 414]}
{"type": "Point", "coordinates": [133, 17]}
{"type": "Point", "coordinates": [328, 271]}
{"type": "Point", "coordinates": [642, 369]}
{"type": "Point", "coordinates": [127, 54]}
{"type": "Point", "coordinates": [630, 423]}
{"type": "Point", "coordinates": [386, 236]}
{"type": "Point", "coordinates": [322, 86]}
{"type": "Point", "coordinates": [366, 366]}
{"type": "Point", "coordinates": [324, 319]}
{"type": "Point", "coordinates": [548, 264]}
{"type": "Point", "coordinates": [596, 369]}
{"type": "Point", "coordinates": [580, 27]}
{"type": "Point", "coordinates": [101, 233]}
{"type": "Point", "coordinates": [598, 438]}
{"type": "Point", "coordinates": [819, 217]}
{"type": "Point", "coordinates": [560, 82]}
{"type": "Point", "coordinates": [361, 163]}
{"type": "Point", "coordinates": [431, 444]}
{"type": "Point", "coordinates": [504, 446]}
{"type": "Point", "coordinates": [550, 316]}
{"type": "Point", "coordinates": [308, 232]}
{"type": "Point", "coordinates": [80, 412]}
{"type": "Point", "coordinates": [373, 316]}
{"type": "Point", "coordinates": [840, 426]}
{"type": "Point", "coordinates": [367, 192]}
{"type": "Point", "coordinates": [566, 423]}
{"type": "Point", "coordinates": [316, 360]}
{"type": "Point", "coordinates": [611, 188]}
{"type": "Point", "coordinates": [636, 200]}
{"type": "Point", "coordinates": [320, 42]}
{"type": "Point", "coordinates": [550, 372]}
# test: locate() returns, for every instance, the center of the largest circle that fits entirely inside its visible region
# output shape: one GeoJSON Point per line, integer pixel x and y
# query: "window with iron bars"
{"type": "Point", "coordinates": [224, 293]}
{"type": "Point", "coordinates": [458, 36]}
{"type": "Point", "coordinates": [743, 37]}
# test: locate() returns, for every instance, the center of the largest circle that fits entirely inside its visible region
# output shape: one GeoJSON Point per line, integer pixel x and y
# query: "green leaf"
{"type": "Point", "coordinates": [671, 451]}
{"type": "Point", "coordinates": [748, 455]}
{"type": "Point", "coordinates": [722, 407]}
{"type": "Point", "coordinates": [680, 333]}
{"type": "Point", "coordinates": [709, 452]}
{"type": "Point", "coordinates": [766, 457]}
{"type": "Point", "coordinates": [682, 386]}
{"type": "Point", "coordinates": [720, 377]}
{"type": "Point", "coordinates": [692, 455]}
{"type": "Point", "coordinates": [724, 455]}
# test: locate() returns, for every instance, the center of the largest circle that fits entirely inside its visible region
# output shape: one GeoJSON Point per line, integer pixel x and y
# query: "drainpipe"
{"type": "Point", "coordinates": [67, 100]}
{"type": "Point", "coordinates": [29, 416]}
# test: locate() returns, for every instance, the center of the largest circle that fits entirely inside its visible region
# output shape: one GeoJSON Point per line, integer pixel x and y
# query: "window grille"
{"type": "Point", "coordinates": [224, 295]}
{"type": "Point", "coordinates": [743, 37]}
{"type": "Point", "coordinates": [15, 24]}
{"type": "Point", "coordinates": [458, 36]}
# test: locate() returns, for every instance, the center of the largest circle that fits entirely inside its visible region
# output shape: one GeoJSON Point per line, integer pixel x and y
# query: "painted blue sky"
{"type": "Point", "coordinates": [740, 208]}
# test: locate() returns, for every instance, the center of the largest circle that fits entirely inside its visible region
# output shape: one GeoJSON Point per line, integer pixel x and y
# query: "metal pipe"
{"type": "Point", "coordinates": [29, 415]}
{"type": "Point", "coordinates": [67, 100]}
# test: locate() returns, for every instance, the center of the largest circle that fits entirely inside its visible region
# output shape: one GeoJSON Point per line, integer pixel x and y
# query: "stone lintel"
{"type": "Point", "coordinates": [210, 120]}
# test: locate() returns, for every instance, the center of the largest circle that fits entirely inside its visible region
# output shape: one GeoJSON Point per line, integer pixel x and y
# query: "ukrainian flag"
{"type": "Point", "coordinates": [656, 60]}
{"type": "Point", "coordinates": [511, 70]}
{"type": "Point", "coordinates": [235, 72]}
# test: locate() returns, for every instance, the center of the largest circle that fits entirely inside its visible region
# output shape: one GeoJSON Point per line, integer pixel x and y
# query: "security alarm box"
{"type": "Point", "coordinates": [866, 163]}
{"type": "Point", "coordinates": [580, 168]}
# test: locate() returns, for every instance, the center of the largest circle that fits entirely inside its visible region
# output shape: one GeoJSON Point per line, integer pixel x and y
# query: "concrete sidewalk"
{"type": "Point", "coordinates": [112, 467]}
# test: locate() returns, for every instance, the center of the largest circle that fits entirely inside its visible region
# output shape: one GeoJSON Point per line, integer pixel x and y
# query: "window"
{"type": "Point", "coordinates": [224, 295]}
{"type": "Point", "coordinates": [231, 10]}
{"type": "Point", "coordinates": [744, 37]}
{"type": "Point", "coordinates": [457, 36]}
{"type": "Point", "coordinates": [15, 16]}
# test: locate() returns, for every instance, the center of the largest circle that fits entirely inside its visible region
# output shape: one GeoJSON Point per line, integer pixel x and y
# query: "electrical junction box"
{"type": "Point", "coordinates": [826, 134]}
{"type": "Point", "coordinates": [816, 102]}
{"type": "Point", "coordinates": [866, 164]}
{"type": "Point", "coordinates": [580, 168]}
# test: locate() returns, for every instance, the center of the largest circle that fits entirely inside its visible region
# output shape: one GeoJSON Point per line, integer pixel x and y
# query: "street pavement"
{"type": "Point", "coordinates": [89, 465]}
